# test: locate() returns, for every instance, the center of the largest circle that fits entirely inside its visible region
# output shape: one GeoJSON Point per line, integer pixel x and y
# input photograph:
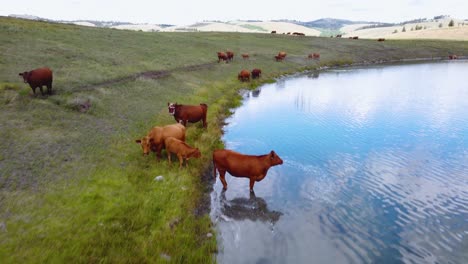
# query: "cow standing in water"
{"type": "Point", "coordinates": [247, 166]}
{"type": "Point", "coordinates": [188, 113]}
{"type": "Point", "coordinates": [38, 78]}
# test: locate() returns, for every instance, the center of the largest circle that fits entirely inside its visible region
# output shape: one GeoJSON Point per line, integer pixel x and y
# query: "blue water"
{"type": "Point", "coordinates": [375, 169]}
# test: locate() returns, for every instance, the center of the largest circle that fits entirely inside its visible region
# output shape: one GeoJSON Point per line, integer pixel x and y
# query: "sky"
{"type": "Point", "coordinates": [178, 12]}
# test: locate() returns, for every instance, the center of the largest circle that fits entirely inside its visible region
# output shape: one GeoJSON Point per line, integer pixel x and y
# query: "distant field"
{"type": "Point", "coordinates": [74, 186]}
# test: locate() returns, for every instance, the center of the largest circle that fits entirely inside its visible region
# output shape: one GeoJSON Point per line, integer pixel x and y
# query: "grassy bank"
{"type": "Point", "coordinates": [74, 185]}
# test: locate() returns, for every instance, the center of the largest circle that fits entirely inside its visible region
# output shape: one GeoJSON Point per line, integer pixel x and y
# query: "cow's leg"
{"type": "Point", "coordinates": [252, 182]}
{"type": "Point", "coordinates": [169, 156]}
{"type": "Point", "coordinates": [222, 173]}
{"type": "Point", "coordinates": [181, 160]}
{"type": "Point", "coordinates": [158, 153]}
{"type": "Point", "coordinates": [33, 89]}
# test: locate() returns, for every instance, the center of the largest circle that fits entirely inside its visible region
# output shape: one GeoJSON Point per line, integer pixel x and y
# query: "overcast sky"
{"type": "Point", "coordinates": [187, 12]}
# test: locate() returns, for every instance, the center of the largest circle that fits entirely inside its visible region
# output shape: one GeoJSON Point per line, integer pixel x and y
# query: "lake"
{"type": "Point", "coordinates": [375, 168]}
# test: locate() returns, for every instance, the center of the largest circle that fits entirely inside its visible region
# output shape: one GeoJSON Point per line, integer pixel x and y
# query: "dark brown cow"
{"type": "Point", "coordinates": [453, 57]}
{"type": "Point", "coordinates": [38, 78]}
{"type": "Point", "coordinates": [279, 58]}
{"type": "Point", "coordinates": [298, 34]}
{"type": "Point", "coordinates": [381, 39]}
{"type": "Point", "coordinates": [181, 149]}
{"type": "Point", "coordinates": [273, 32]}
{"type": "Point", "coordinates": [245, 55]}
{"type": "Point", "coordinates": [243, 76]}
{"type": "Point", "coordinates": [222, 56]}
{"type": "Point", "coordinates": [154, 141]}
{"type": "Point", "coordinates": [256, 73]}
{"type": "Point", "coordinates": [188, 113]}
{"type": "Point", "coordinates": [230, 55]}
{"type": "Point", "coordinates": [339, 36]}
{"type": "Point", "coordinates": [247, 166]}
{"type": "Point", "coordinates": [355, 37]}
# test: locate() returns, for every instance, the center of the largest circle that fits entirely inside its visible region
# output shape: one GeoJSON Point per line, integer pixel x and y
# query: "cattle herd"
{"type": "Point", "coordinates": [172, 137]}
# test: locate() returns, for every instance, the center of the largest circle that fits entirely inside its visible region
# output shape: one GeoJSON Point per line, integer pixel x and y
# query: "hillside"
{"type": "Point", "coordinates": [74, 185]}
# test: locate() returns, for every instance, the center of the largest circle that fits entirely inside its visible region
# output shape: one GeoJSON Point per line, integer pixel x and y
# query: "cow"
{"type": "Point", "coordinates": [38, 78]}
{"type": "Point", "coordinates": [453, 57]}
{"type": "Point", "coordinates": [380, 39]}
{"type": "Point", "coordinates": [230, 55]}
{"type": "Point", "coordinates": [298, 34]}
{"type": "Point", "coordinates": [222, 56]}
{"type": "Point", "coordinates": [282, 54]}
{"type": "Point", "coordinates": [339, 36]}
{"type": "Point", "coordinates": [256, 73]}
{"type": "Point", "coordinates": [355, 37]}
{"type": "Point", "coordinates": [245, 55]}
{"type": "Point", "coordinates": [239, 165]}
{"type": "Point", "coordinates": [243, 76]}
{"type": "Point", "coordinates": [181, 149]}
{"type": "Point", "coordinates": [188, 113]}
{"type": "Point", "coordinates": [154, 141]}
{"type": "Point", "coordinates": [279, 58]}
{"type": "Point", "coordinates": [273, 32]}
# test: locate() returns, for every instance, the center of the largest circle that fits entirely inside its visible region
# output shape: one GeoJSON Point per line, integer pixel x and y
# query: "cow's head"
{"type": "Point", "coordinates": [145, 143]}
{"type": "Point", "coordinates": [274, 159]}
{"type": "Point", "coordinates": [195, 154]}
{"type": "Point", "coordinates": [25, 76]}
{"type": "Point", "coordinates": [171, 107]}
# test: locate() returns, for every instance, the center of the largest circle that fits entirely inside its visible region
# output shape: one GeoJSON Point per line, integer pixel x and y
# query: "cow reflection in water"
{"type": "Point", "coordinates": [253, 208]}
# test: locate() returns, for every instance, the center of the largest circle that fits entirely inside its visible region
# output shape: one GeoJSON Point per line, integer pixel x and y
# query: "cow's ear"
{"type": "Point", "coordinates": [272, 154]}
{"type": "Point", "coordinates": [138, 141]}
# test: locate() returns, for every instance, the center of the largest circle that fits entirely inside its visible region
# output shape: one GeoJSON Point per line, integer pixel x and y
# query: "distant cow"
{"type": "Point", "coordinates": [256, 73]}
{"type": "Point", "coordinates": [339, 36]}
{"type": "Point", "coordinates": [453, 57]}
{"type": "Point", "coordinates": [243, 76]}
{"type": "Point", "coordinates": [247, 166]}
{"type": "Point", "coordinates": [282, 54]}
{"type": "Point", "coordinates": [230, 55]}
{"type": "Point", "coordinates": [38, 78]}
{"type": "Point", "coordinates": [273, 32]}
{"type": "Point", "coordinates": [154, 141]}
{"type": "Point", "coordinates": [355, 37]}
{"type": "Point", "coordinates": [222, 56]}
{"type": "Point", "coordinates": [298, 34]}
{"type": "Point", "coordinates": [245, 55]}
{"type": "Point", "coordinates": [188, 113]}
{"type": "Point", "coordinates": [314, 56]}
{"type": "Point", "coordinates": [181, 149]}
{"type": "Point", "coordinates": [279, 58]}
{"type": "Point", "coordinates": [381, 39]}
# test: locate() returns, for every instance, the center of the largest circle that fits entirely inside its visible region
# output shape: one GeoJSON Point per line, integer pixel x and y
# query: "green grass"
{"type": "Point", "coordinates": [74, 186]}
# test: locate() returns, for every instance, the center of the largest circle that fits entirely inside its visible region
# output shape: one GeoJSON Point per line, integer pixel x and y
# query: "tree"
{"type": "Point", "coordinates": [451, 23]}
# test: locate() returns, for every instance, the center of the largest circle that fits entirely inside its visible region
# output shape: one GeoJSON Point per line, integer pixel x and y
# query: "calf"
{"type": "Point", "coordinates": [247, 166]}
{"type": "Point", "coordinates": [181, 149]}
{"type": "Point", "coordinates": [38, 78]}
{"type": "Point", "coordinates": [256, 73]}
{"type": "Point", "coordinates": [243, 76]}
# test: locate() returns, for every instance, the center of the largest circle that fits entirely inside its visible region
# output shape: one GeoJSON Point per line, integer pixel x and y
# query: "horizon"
{"type": "Point", "coordinates": [179, 13]}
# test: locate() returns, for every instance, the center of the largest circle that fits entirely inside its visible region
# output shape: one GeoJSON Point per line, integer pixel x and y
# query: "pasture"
{"type": "Point", "coordinates": [74, 186]}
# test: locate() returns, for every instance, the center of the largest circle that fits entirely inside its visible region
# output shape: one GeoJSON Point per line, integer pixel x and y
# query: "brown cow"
{"type": "Point", "coordinates": [243, 76]}
{"type": "Point", "coordinates": [230, 55]}
{"type": "Point", "coordinates": [247, 166]}
{"type": "Point", "coordinates": [381, 39]}
{"type": "Point", "coordinates": [453, 57]}
{"type": "Point", "coordinates": [355, 37]}
{"type": "Point", "coordinates": [245, 56]}
{"type": "Point", "coordinates": [282, 54]}
{"type": "Point", "coordinates": [38, 78]}
{"type": "Point", "coordinates": [188, 113]}
{"type": "Point", "coordinates": [314, 56]}
{"type": "Point", "coordinates": [154, 141]}
{"type": "Point", "coordinates": [256, 73]}
{"type": "Point", "coordinates": [222, 56]}
{"type": "Point", "coordinates": [273, 32]}
{"type": "Point", "coordinates": [279, 58]}
{"type": "Point", "coordinates": [181, 149]}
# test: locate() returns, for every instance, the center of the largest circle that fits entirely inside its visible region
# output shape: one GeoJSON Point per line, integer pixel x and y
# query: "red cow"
{"type": "Point", "coordinates": [188, 113]}
{"type": "Point", "coordinates": [279, 58]}
{"type": "Point", "coordinates": [230, 55]}
{"type": "Point", "coordinates": [181, 149]}
{"type": "Point", "coordinates": [38, 78]}
{"type": "Point", "coordinates": [244, 75]}
{"type": "Point", "coordinates": [247, 166]}
{"type": "Point", "coordinates": [245, 56]}
{"type": "Point", "coordinates": [154, 141]}
{"type": "Point", "coordinates": [453, 57]}
{"type": "Point", "coordinates": [256, 73]}
{"type": "Point", "coordinates": [222, 56]}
